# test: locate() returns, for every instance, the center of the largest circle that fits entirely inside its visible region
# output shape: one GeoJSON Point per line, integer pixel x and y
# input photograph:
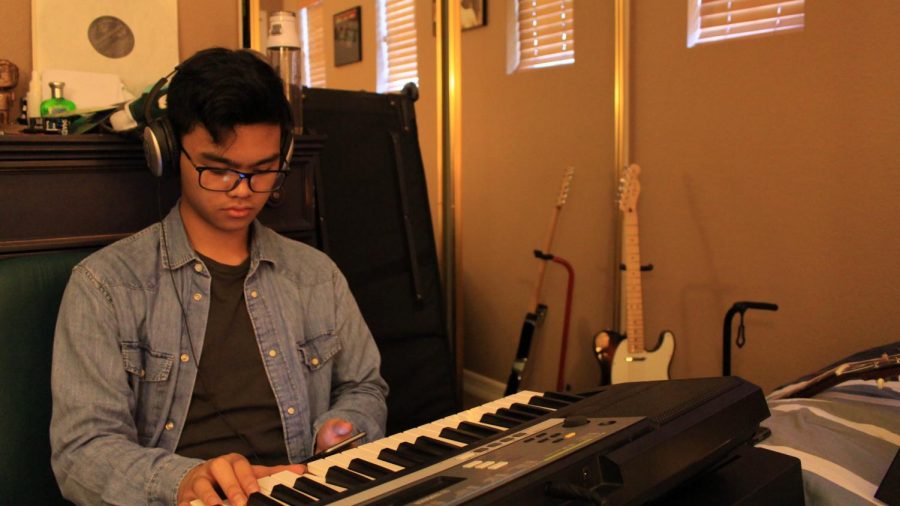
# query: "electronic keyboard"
{"type": "Point", "coordinates": [621, 444]}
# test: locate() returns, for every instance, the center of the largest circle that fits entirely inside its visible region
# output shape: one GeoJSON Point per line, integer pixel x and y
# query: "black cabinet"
{"type": "Point", "coordinates": [59, 192]}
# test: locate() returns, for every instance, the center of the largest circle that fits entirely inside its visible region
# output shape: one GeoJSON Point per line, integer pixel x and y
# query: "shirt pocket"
{"type": "Point", "coordinates": [317, 352]}
{"type": "Point", "coordinates": [145, 363]}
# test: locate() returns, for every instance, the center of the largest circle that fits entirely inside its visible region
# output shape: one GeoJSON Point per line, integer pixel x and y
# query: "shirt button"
{"type": "Point", "coordinates": [197, 296]}
{"type": "Point", "coordinates": [254, 294]}
{"type": "Point", "coordinates": [291, 411]}
{"type": "Point", "coordinates": [185, 357]}
{"type": "Point", "coordinates": [314, 361]}
{"type": "Point", "coordinates": [198, 267]}
{"type": "Point", "coordinates": [273, 353]}
{"type": "Point", "coordinates": [170, 425]}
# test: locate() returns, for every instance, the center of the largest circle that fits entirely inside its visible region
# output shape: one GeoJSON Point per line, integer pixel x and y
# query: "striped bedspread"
{"type": "Point", "coordinates": [845, 438]}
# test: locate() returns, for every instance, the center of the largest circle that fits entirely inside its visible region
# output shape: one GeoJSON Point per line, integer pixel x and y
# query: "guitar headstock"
{"type": "Point", "coordinates": [629, 188]}
{"type": "Point", "coordinates": [564, 188]}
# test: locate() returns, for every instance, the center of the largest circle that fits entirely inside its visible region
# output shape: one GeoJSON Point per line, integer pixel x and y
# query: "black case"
{"type": "Point", "coordinates": [375, 222]}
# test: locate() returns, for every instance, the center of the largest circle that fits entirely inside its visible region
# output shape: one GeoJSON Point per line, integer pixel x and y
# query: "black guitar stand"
{"type": "Point", "coordinates": [738, 308]}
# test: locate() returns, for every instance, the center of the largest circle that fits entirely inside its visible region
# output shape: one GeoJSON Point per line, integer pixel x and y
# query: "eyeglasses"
{"type": "Point", "coordinates": [224, 180]}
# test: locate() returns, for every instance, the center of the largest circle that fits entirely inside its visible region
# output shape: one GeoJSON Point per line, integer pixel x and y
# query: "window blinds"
{"type": "Point", "coordinates": [546, 33]}
{"type": "Point", "coordinates": [714, 20]}
{"type": "Point", "coordinates": [312, 24]}
{"type": "Point", "coordinates": [399, 61]}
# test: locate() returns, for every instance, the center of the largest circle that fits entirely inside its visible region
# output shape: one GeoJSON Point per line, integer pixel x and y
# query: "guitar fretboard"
{"type": "Point", "coordinates": [634, 307]}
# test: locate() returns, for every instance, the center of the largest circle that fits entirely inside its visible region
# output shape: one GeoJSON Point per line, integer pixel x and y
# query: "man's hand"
{"type": "Point", "coordinates": [332, 432]}
{"type": "Point", "coordinates": [233, 474]}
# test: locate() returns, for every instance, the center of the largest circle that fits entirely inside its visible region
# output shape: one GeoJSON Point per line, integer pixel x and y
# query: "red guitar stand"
{"type": "Point", "coordinates": [564, 344]}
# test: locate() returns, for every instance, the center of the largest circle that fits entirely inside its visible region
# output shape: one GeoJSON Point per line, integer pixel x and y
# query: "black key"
{"type": "Point", "coordinates": [499, 420]}
{"type": "Point", "coordinates": [517, 415]}
{"type": "Point", "coordinates": [459, 435]}
{"type": "Point", "coordinates": [290, 496]}
{"type": "Point", "coordinates": [393, 457]}
{"type": "Point", "coordinates": [528, 408]}
{"type": "Point", "coordinates": [258, 499]}
{"type": "Point", "coordinates": [443, 448]}
{"type": "Point", "coordinates": [368, 468]}
{"type": "Point", "coordinates": [313, 488]}
{"type": "Point", "coordinates": [562, 396]}
{"type": "Point", "coordinates": [341, 477]}
{"type": "Point", "coordinates": [547, 402]}
{"type": "Point", "coordinates": [477, 428]}
{"type": "Point", "coordinates": [418, 455]}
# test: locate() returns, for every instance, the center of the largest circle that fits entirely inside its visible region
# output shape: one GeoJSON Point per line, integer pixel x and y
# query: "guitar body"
{"type": "Point", "coordinates": [645, 365]}
{"type": "Point", "coordinates": [525, 337]}
{"type": "Point", "coordinates": [606, 342]}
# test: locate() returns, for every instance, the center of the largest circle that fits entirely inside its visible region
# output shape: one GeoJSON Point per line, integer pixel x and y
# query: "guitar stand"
{"type": "Point", "coordinates": [738, 308]}
{"type": "Point", "coordinates": [560, 375]}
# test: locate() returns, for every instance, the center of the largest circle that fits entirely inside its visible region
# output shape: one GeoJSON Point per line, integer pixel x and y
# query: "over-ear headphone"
{"type": "Point", "coordinates": [161, 147]}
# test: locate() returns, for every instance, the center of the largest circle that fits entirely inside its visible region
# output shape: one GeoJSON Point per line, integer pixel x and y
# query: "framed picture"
{"type": "Point", "coordinates": [348, 36]}
{"type": "Point", "coordinates": [472, 13]}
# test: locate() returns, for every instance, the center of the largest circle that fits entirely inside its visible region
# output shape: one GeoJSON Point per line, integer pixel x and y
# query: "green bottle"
{"type": "Point", "coordinates": [56, 104]}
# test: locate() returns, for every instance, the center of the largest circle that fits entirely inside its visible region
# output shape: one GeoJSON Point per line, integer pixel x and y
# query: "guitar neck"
{"type": "Point", "coordinates": [634, 307]}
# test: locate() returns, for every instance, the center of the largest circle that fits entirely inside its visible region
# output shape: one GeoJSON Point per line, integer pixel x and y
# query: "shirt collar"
{"type": "Point", "coordinates": [176, 250]}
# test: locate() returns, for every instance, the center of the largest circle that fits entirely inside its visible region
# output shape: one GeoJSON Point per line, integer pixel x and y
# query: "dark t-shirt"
{"type": "Point", "coordinates": [232, 380]}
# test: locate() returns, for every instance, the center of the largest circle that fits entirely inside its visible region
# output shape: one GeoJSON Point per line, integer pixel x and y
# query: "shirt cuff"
{"type": "Point", "coordinates": [164, 483]}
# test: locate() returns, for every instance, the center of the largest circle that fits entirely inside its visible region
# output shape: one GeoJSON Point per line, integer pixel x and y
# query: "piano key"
{"type": "Point", "coordinates": [436, 444]}
{"type": "Point", "coordinates": [518, 415]}
{"type": "Point", "coordinates": [459, 435]}
{"type": "Point", "coordinates": [291, 497]}
{"type": "Point", "coordinates": [346, 478]}
{"type": "Point", "coordinates": [312, 485]}
{"type": "Point", "coordinates": [389, 455]}
{"type": "Point", "coordinates": [434, 430]}
{"type": "Point", "coordinates": [480, 429]}
{"type": "Point", "coordinates": [547, 402]}
{"type": "Point", "coordinates": [503, 421]}
{"type": "Point", "coordinates": [562, 396]}
{"type": "Point", "coordinates": [530, 408]}
{"type": "Point", "coordinates": [368, 468]}
{"type": "Point", "coordinates": [370, 454]}
{"type": "Point", "coordinates": [258, 499]}
{"type": "Point", "coordinates": [417, 455]}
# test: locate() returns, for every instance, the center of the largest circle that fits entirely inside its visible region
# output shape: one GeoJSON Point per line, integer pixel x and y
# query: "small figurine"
{"type": "Point", "coordinates": [9, 78]}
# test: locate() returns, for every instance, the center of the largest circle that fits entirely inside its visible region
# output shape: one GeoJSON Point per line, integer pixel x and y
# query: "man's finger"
{"type": "Point", "coordinates": [203, 489]}
{"type": "Point", "coordinates": [223, 472]}
{"type": "Point", "coordinates": [245, 476]}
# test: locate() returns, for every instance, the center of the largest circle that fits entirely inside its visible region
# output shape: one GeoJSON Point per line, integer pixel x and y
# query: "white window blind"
{"type": "Point", "coordinates": [312, 26]}
{"type": "Point", "coordinates": [715, 20]}
{"type": "Point", "coordinates": [397, 59]}
{"type": "Point", "coordinates": [546, 33]}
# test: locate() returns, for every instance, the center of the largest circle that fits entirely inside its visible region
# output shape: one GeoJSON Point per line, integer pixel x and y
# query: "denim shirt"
{"type": "Point", "coordinates": [128, 340]}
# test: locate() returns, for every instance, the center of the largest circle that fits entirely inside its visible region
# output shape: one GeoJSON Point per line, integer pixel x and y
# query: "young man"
{"type": "Point", "coordinates": [206, 350]}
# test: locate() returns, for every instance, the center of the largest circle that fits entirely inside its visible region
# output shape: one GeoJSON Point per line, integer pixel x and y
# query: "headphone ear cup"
{"type": "Point", "coordinates": [160, 148]}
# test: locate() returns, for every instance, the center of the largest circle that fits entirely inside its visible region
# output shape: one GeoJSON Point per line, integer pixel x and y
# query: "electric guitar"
{"type": "Point", "coordinates": [632, 361]}
{"type": "Point", "coordinates": [536, 310]}
{"type": "Point", "coordinates": [876, 368]}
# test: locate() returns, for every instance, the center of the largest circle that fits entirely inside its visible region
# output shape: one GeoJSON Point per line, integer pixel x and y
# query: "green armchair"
{"type": "Point", "coordinates": [31, 288]}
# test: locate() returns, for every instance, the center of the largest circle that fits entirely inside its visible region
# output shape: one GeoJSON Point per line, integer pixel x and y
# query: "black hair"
{"type": "Point", "coordinates": [221, 88]}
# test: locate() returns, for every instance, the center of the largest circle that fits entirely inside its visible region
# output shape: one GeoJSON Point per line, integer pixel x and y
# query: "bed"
{"type": "Point", "coordinates": [847, 435]}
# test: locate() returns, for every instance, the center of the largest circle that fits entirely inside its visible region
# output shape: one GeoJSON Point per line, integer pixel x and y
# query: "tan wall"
{"type": "Point", "coordinates": [770, 173]}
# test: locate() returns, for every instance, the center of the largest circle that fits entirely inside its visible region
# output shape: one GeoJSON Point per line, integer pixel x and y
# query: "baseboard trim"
{"type": "Point", "coordinates": [482, 388]}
